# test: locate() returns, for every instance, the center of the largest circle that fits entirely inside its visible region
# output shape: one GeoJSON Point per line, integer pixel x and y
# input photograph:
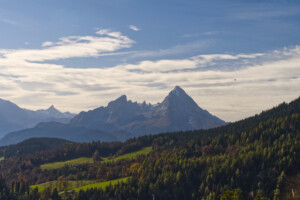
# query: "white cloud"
{"type": "Point", "coordinates": [255, 82]}
{"type": "Point", "coordinates": [134, 28]}
{"type": "Point", "coordinates": [72, 47]}
{"type": "Point", "coordinates": [47, 44]}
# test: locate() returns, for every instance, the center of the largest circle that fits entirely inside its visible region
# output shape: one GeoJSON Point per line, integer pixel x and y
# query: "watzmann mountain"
{"type": "Point", "coordinates": [122, 119]}
{"type": "Point", "coordinates": [177, 112]}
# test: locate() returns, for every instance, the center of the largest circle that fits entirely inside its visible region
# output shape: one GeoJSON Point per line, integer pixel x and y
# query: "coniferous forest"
{"type": "Point", "coordinates": [255, 158]}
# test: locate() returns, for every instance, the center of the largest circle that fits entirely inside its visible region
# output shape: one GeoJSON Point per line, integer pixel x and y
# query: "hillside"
{"type": "Point", "coordinates": [248, 159]}
{"type": "Point", "coordinates": [31, 146]}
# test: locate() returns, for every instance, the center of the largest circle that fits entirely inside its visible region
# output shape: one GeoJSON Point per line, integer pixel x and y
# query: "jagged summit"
{"type": "Point", "coordinates": [180, 99]}
{"type": "Point", "coordinates": [177, 112]}
{"type": "Point", "coordinates": [122, 98]}
{"type": "Point", "coordinates": [177, 91]}
{"type": "Point", "coordinates": [52, 108]}
{"type": "Point", "coordinates": [53, 112]}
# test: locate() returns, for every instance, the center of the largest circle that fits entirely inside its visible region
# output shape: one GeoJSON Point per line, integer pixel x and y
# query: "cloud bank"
{"type": "Point", "coordinates": [231, 86]}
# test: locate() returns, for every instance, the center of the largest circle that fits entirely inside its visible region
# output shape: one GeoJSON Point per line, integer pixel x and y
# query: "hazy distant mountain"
{"type": "Point", "coordinates": [13, 118]}
{"type": "Point", "coordinates": [54, 113]}
{"type": "Point", "coordinates": [177, 112]}
{"type": "Point", "coordinates": [57, 130]}
{"type": "Point", "coordinates": [120, 120]}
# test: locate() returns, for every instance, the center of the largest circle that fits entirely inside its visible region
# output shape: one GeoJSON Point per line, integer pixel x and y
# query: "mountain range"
{"type": "Point", "coordinates": [177, 112]}
{"type": "Point", "coordinates": [122, 119]}
{"type": "Point", "coordinates": [13, 118]}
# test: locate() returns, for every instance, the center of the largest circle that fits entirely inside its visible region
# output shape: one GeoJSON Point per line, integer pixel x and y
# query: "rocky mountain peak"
{"type": "Point", "coordinates": [52, 108]}
{"type": "Point", "coordinates": [177, 91]}
{"type": "Point", "coordinates": [177, 112]}
{"type": "Point", "coordinates": [178, 97]}
{"type": "Point", "coordinates": [118, 102]}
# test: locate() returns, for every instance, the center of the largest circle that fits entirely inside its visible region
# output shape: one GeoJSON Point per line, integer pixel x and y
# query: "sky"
{"type": "Point", "coordinates": [235, 58]}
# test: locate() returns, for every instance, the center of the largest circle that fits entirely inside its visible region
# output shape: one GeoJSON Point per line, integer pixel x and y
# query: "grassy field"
{"type": "Point", "coordinates": [76, 185]}
{"type": "Point", "coordinates": [132, 155]}
{"type": "Point", "coordinates": [61, 184]}
{"type": "Point", "coordinates": [102, 185]}
{"type": "Point", "coordinates": [83, 160]}
{"type": "Point", "coordinates": [1, 158]}
{"type": "Point", "coordinates": [57, 165]}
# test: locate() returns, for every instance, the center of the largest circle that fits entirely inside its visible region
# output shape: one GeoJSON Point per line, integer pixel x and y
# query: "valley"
{"type": "Point", "coordinates": [251, 158]}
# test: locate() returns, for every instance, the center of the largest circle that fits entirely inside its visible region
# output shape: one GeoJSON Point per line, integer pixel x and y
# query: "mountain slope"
{"type": "Point", "coordinates": [177, 112]}
{"type": "Point", "coordinates": [57, 130]}
{"type": "Point", "coordinates": [254, 158]}
{"type": "Point", "coordinates": [13, 118]}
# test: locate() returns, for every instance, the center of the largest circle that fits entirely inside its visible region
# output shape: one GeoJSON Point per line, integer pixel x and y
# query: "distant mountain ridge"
{"type": "Point", "coordinates": [53, 112]}
{"type": "Point", "coordinates": [177, 112]}
{"type": "Point", "coordinates": [122, 119]}
{"type": "Point", "coordinates": [13, 118]}
{"type": "Point", "coordinates": [57, 130]}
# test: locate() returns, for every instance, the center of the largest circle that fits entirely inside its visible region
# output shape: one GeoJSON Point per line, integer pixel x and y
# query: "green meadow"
{"type": "Point", "coordinates": [77, 185]}
{"type": "Point", "coordinates": [84, 160]}
{"type": "Point", "coordinates": [61, 185]}
{"type": "Point", "coordinates": [57, 165]}
{"type": "Point", "coordinates": [102, 185]}
{"type": "Point", "coordinates": [131, 155]}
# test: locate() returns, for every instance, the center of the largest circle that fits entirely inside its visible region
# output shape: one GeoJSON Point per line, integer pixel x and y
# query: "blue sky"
{"type": "Point", "coordinates": [234, 57]}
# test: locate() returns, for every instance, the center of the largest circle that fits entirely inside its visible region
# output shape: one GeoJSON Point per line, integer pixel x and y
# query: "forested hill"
{"type": "Point", "coordinates": [252, 158]}
{"type": "Point", "coordinates": [31, 146]}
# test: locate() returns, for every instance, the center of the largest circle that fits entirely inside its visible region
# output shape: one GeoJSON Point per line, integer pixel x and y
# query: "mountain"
{"type": "Point", "coordinates": [177, 112]}
{"type": "Point", "coordinates": [57, 130]}
{"type": "Point", "coordinates": [13, 118]}
{"type": "Point", "coordinates": [254, 158]}
{"type": "Point", "coordinates": [54, 113]}
{"type": "Point", "coordinates": [122, 119]}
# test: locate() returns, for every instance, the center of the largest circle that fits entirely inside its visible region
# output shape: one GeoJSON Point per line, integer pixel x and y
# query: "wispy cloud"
{"type": "Point", "coordinates": [9, 21]}
{"type": "Point", "coordinates": [231, 86]}
{"type": "Point", "coordinates": [72, 47]}
{"type": "Point", "coordinates": [256, 13]}
{"type": "Point", "coordinates": [190, 35]}
{"type": "Point", "coordinates": [133, 27]}
{"type": "Point", "coordinates": [174, 50]}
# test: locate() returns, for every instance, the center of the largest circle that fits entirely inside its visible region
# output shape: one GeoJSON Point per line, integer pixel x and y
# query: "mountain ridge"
{"type": "Point", "coordinates": [14, 118]}
{"type": "Point", "coordinates": [122, 119]}
{"type": "Point", "coordinates": [142, 118]}
{"type": "Point", "coordinates": [57, 130]}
